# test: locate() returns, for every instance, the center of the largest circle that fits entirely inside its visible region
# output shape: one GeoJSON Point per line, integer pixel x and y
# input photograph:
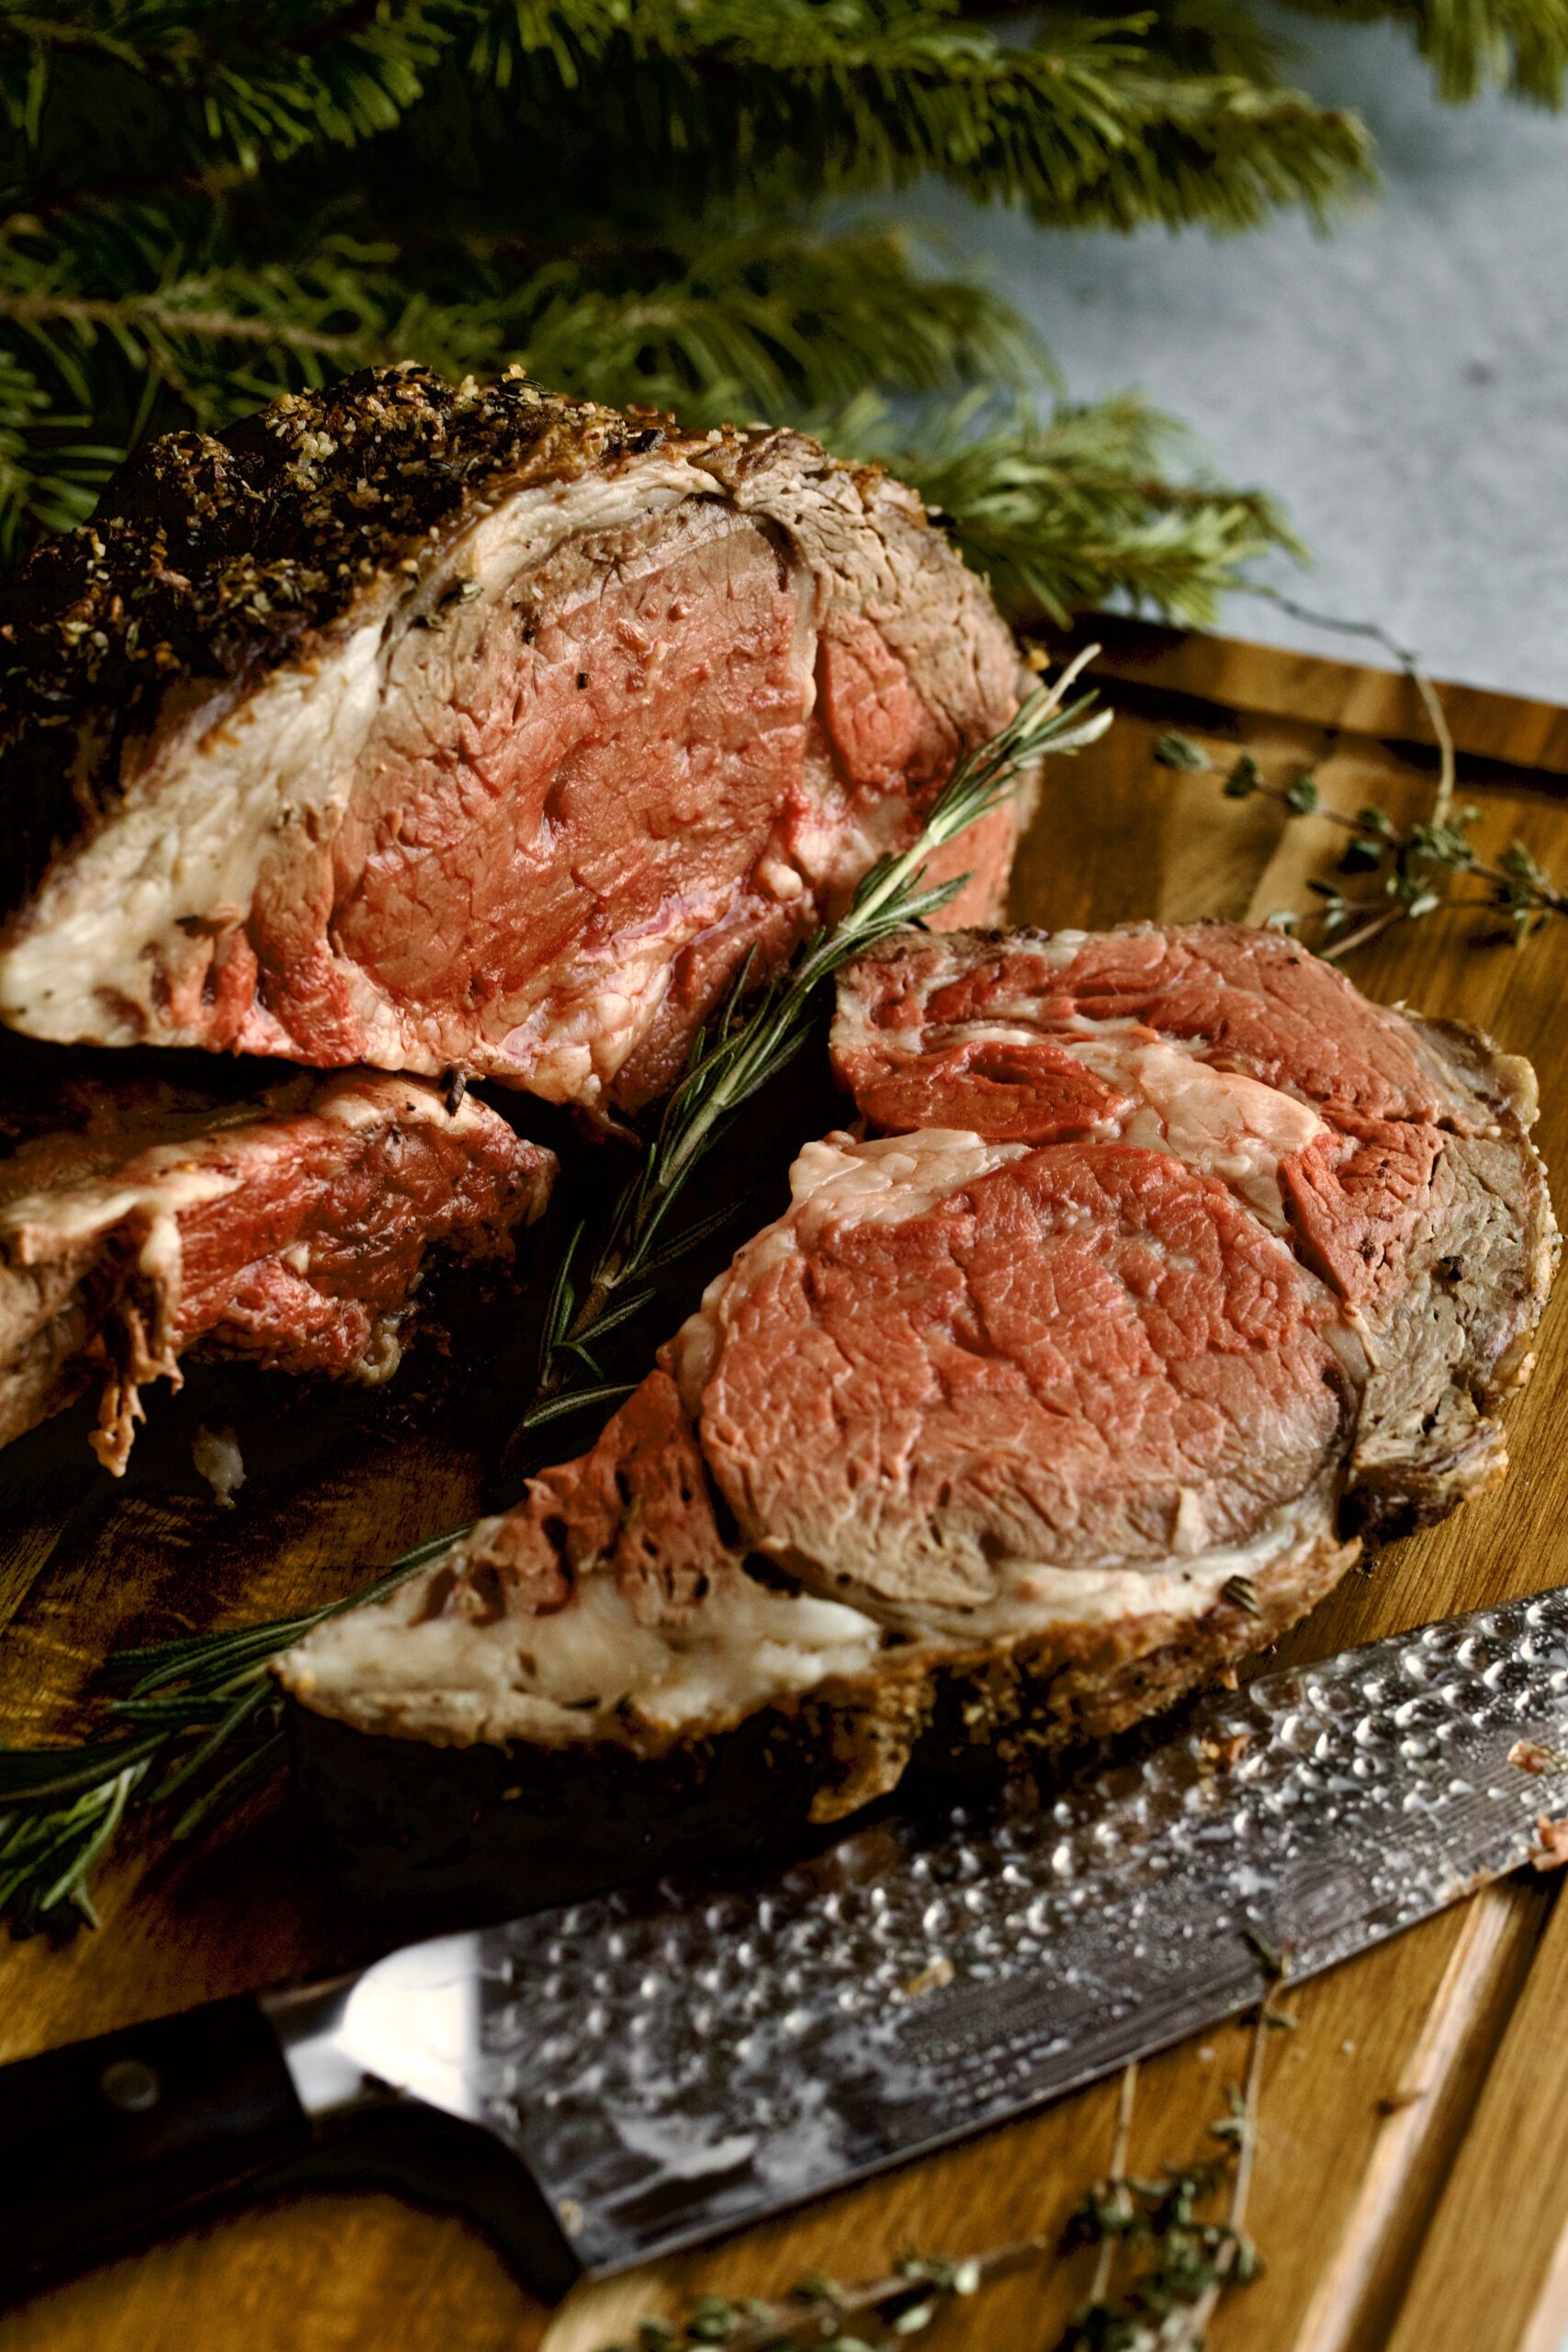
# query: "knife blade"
{"type": "Point", "coordinates": [664, 2063]}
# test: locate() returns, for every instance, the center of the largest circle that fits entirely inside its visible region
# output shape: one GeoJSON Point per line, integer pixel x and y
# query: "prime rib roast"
{"type": "Point", "coordinates": [1169, 1271]}
{"type": "Point", "coordinates": [423, 726]}
{"type": "Point", "coordinates": [473, 733]}
{"type": "Point", "coordinates": [146, 1212]}
{"type": "Point", "coordinates": [442, 729]}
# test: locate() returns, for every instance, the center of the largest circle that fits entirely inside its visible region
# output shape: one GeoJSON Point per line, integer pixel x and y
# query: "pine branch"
{"type": "Point", "coordinates": [1077, 509]}
{"type": "Point", "coordinates": [1091, 123]}
{"type": "Point", "coordinates": [775, 322]}
{"type": "Point", "coordinates": [243, 85]}
{"type": "Point", "coordinates": [1520, 46]}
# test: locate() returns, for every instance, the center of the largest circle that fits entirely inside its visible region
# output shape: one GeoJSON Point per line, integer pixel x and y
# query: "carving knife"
{"type": "Point", "coordinates": [611, 2081]}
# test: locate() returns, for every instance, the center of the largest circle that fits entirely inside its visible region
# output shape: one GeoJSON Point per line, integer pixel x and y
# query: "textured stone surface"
{"type": "Point", "coordinates": [1403, 385]}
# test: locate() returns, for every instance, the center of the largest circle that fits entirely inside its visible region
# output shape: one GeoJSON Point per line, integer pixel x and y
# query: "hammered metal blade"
{"type": "Point", "coordinates": [678, 2060]}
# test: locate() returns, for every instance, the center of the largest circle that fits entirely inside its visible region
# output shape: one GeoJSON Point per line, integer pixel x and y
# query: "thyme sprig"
{"type": "Point", "coordinates": [204, 1729]}
{"type": "Point", "coordinates": [1169, 2305]}
{"type": "Point", "coordinates": [1408, 867]}
{"type": "Point", "coordinates": [821, 2314]}
{"type": "Point", "coordinates": [203, 1717]}
{"type": "Point", "coordinates": [1193, 2259]}
{"type": "Point", "coordinates": [1405, 864]}
{"type": "Point", "coordinates": [751, 1040]}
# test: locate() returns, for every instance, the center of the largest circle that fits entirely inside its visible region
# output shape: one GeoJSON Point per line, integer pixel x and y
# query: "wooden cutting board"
{"type": "Point", "coordinates": [1412, 2184]}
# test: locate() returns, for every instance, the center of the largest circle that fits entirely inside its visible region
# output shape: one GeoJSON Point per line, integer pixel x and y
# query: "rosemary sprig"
{"type": "Point", "coordinates": [203, 1717]}
{"type": "Point", "coordinates": [204, 1729]}
{"type": "Point", "coordinates": [751, 1040]}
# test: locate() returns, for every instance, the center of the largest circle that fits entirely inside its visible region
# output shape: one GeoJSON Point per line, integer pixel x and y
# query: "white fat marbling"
{"type": "Point", "coordinates": [588, 1671]}
{"type": "Point", "coordinates": [205, 801]}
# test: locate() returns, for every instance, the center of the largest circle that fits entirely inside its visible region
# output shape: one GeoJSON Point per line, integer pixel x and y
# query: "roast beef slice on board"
{"type": "Point", "coordinates": [1172, 1270]}
{"type": "Point", "coordinates": [145, 1214]}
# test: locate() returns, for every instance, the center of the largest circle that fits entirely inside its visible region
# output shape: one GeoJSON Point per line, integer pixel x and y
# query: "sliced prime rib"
{"type": "Point", "coordinates": [144, 1216]}
{"type": "Point", "coordinates": [1391, 1151]}
{"type": "Point", "coordinates": [417, 725]}
{"type": "Point", "coordinates": [1177, 1270]}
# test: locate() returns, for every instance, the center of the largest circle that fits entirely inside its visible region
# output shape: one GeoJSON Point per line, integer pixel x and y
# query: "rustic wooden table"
{"type": "Point", "coordinates": [1412, 2186]}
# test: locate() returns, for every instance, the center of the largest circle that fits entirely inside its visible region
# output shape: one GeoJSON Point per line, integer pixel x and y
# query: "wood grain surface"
{"type": "Point", "coordinates": [1412, 2187]}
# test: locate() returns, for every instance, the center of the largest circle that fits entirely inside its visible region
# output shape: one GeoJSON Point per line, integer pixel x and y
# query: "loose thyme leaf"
{"type": "Point", "coordinates": [1176, 751]}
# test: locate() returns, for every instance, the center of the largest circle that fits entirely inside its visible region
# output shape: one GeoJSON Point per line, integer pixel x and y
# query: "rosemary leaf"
{"type": "Point", "coordinates": [195, 1701]}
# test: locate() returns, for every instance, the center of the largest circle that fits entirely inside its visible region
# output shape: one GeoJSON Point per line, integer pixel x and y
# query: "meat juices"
{"type": "Point", "coordinates": [411, 725]}
{"type": "Point", "coordinates": [1184, 1268]}
{"type": "Point", "coordinates": [291, 1227]}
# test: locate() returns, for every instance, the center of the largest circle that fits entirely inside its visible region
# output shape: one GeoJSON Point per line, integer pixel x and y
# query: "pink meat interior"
{"type": "Point", "coordinates": [1045, 1362]}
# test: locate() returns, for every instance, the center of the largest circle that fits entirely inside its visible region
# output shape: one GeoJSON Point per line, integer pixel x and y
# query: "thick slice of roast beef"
{"type": "Point", "coordinates": [417, 726]}
{"type": "Point", "coordinates": [1392, 1151]}
{"type": "Point", "coordinates": [290, 1225]}
{"type": "Point", "coordinates": [1182, 1269]}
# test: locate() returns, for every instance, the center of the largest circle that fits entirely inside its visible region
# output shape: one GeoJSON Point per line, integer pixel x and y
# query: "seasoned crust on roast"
{"type": "Point", "coordinates": [498, 1825]}
{"type": "Point", "coordinates": [218, 556]}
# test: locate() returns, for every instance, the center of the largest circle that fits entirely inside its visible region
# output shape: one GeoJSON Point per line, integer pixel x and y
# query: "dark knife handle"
{"type": "Point", "coordinates": [110, 2140]}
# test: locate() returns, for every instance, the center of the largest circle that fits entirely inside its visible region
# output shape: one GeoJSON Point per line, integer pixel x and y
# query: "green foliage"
{"type": "Point", "coordinates": [1402, 872]}
{"type": "Point", "coordinates": [1520, 46]}
{"type": "Point", "coordinates": [202, 1731]}
{"type": "Point", "coordinates": [1066, 511]}
{"type": "Point", "coordinates": [202, 205]}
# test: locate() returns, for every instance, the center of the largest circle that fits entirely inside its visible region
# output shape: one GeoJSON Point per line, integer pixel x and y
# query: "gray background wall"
{"type": "Point", "coordinates": [1403, 384]}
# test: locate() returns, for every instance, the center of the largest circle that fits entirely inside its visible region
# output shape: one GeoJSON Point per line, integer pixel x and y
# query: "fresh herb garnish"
{"type": "Point", "coordinates": [1179, 752]}
{"type": "Point", "coordinates": [203, 1715]}
{"type": "Point", "coordinates": [1406, 868]}
{"type": "Point", "coordinates": [751, 1040]}
{"type": "Point", "coordinates": [821, 2314]}
{"type": "Point", "coordinates": [1188, 2259]}
{"type": "Point", "coordinates": [1168, 2303]}
{"type": "Point", "coordinates": [204, 1729]}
